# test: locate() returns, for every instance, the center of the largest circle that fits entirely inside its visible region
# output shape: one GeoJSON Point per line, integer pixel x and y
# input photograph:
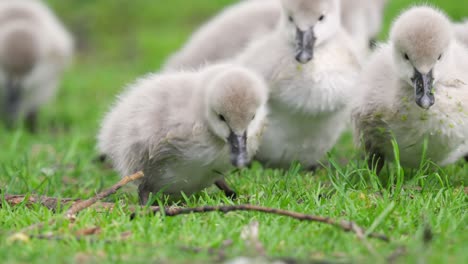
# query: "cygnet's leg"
{"type": "Point", "coordinates": [222, 185]}
{"type": "Point", "coordinates": [376, 160]}
{"type": "Point", "coordinates": [13, 95]}
{"type": "Point", "coordinates": [31, 121]}
{"type": "Point", "coordinates": [144, 193]}
{"type": "Point", "coordinates": [101, 158]}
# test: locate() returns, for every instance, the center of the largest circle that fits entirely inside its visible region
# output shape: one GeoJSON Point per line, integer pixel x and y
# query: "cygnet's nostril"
{"type": "Point", "coordinates": [304, 57]}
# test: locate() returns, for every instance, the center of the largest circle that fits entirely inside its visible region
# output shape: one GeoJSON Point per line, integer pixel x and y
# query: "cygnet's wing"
{"type": "Point", "coordinates": [226, 34]}
{"type": "Point", "coordinates": [378, 83]}
{"type": "Point", "coordinates": [142, 125]}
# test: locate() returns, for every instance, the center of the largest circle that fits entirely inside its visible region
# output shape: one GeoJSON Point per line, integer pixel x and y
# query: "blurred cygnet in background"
{"type": "Point", "coordinates": [35, 49]}
{"type": "Point", "coordinates": [230, 31]}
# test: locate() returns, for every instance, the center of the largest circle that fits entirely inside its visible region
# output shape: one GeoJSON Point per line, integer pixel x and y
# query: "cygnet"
{"type": "Point", "coordinates": [310, 65]}
{"type": "Point", "coordinates": [226, 34]}
{"type": "Point", "coordinates": [416, 93]}
{"type": "Point", "coordinates": [35, 49]}
{"type": "Point", "coordinates": [185, 129]}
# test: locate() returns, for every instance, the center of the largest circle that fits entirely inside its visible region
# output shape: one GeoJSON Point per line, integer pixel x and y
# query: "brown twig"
{"type": "Point", "coordinates": [50, 203]}
{"type": "Point", "coordinates": [80, 206]}
{"type": "Point", "coordinates": [347, 226]}
{"type": "Point", "coordinates": [53, 203]}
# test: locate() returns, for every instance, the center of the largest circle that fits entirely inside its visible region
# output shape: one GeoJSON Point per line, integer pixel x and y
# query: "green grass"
{"type": "Point", "coordinates": [120, 40]}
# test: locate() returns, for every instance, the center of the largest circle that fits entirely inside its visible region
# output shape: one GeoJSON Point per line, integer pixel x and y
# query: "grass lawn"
{"type": "Point", "coordinates": [424, 211]}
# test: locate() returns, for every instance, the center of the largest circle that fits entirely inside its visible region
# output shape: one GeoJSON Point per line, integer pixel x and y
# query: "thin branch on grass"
{"type": "Point", "coordinates": [50, 203]}
{"type": "Point", "coordinates": [80, 206]}
{"type": "Point", "coordinates": [347, 226]}
{"type": "Point", "coordinates": [55, 204]}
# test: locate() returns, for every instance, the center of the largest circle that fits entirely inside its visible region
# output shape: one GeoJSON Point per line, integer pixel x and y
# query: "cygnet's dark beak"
{"type": "Point", "coordinates": [238, 143]}
{"type": "Point", "coordinates": [423, 85]}
{"type": "Point", "coordinates": [13, 94]}
{"type": "Point", "coordinates": [305, 42]}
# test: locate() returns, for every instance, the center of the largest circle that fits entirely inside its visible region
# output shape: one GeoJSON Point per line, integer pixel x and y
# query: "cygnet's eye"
{"type": "Point", "coordinates": [291, 19]}
{"type": "Point", "coordinates": [406, 56]}
{"type": "Point", "coordinates": [321, 18]}
{"type": "Point", "coordinates": [440, 57]}
{"type": "Point", "coordinates": [253, 117]}
{"type": "Point", "coordinates": [222, 118]}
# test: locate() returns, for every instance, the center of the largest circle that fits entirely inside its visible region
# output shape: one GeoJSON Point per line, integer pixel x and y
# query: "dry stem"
{"type": "Point", "coordinates": [80, 206]}
{"type": "Point", "coordinates": [347, 226]}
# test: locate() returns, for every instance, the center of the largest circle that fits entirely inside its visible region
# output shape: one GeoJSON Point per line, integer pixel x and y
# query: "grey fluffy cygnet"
{"type": "Point", "coordinates": [226, 34]}
{"type": "Point", "coordinates": [184, 129]}
{"type": "Point", "coordinates": [310, 65]}
{"type": "Point", "coordinates": [35, 49]}
{"type": "Point", "coordinates": [416, 93]}
{"type": "Point", "coordinates": [229, 32]}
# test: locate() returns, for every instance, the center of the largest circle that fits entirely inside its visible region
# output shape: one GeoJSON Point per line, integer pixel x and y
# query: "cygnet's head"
{"type": "Point", "coordinates": [19, 52]}
{"type": "Point", "coordinates": [421, 38]}
{"type": "Point", "coordinates": [310, 23]}
{"type": "Point", "coordinates": [236, 102]}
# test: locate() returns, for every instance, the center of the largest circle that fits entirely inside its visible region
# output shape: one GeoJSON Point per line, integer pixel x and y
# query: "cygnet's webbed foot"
{"type": "Point", "coordinates": [376, 162]}
{"type": "Point", "coordinates": [466, 158]}
{"type": "Point", "coordinates": [222, 185]}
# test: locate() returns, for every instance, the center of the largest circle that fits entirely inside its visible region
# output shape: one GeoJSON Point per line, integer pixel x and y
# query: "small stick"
{"type": "Point", "coordinates": [347, 226]}
{"type": "Point", "coordinates": [80, 206]}
{"type": "Point", "coordinates": [50, 203]}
